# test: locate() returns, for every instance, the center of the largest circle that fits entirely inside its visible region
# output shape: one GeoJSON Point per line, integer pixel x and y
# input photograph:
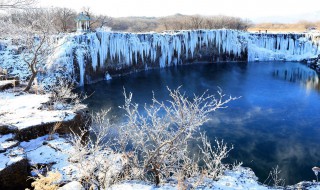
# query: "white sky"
{"type": "Point", "coordinates": [252, 9]}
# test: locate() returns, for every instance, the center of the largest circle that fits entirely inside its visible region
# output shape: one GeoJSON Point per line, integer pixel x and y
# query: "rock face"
{"type": "Point", "coordinates": [15, 176]}
{"type": "Point", "coordinates": [80, 121]}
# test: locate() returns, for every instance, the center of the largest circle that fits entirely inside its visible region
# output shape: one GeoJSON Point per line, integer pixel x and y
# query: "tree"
{"type": "Point", "coordinates": [16, 4]}
{"type": "Point", "coordinates": [37, 50]}
{"type": "Point", "coordinates": [196, 22]}
{"type": "Point", "coordinates": [64, 19]}
{"type": "Point", "coordinates": [101, 21]}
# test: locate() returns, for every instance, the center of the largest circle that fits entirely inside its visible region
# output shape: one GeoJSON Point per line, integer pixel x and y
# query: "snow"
{"type": "Point", "coordinates": [5, 82]}
{"type": "Point", "coordinates": [24, 110]}
{"type": "Point", "coordinates": [11, 60]}
{"type": "Point", "coordinates": [53, 152]}
{"type": "Point", "coordinates": [4, 138]}
{"type": "Point", "coordinates": [74, 185]}
{"type": "Point", "coordinates": [240, 179]}
{"type": "Point", "coordinates": [10, 157]}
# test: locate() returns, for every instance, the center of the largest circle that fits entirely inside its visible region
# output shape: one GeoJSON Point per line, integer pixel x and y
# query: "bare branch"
{"type": "Point", "coordinates": [16, 4]}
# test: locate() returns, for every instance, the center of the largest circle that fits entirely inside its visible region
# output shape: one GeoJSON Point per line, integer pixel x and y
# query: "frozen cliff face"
{"type": "Point", "coordinates": [164, 49]}
{"type": "Point", "coordinates": [90, 56]}
{"type": "Point", "coordinates": [289, 47]}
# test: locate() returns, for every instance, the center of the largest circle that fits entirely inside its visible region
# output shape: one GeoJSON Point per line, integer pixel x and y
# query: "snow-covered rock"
{"type": "Point", "coordinates": [7, 141]}
{"type": "Point", "coordinates": [26, 115]}
{"type": "Point", "coordinates": [74, 185]}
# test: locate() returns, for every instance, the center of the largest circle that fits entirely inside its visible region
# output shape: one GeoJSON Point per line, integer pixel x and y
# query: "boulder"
{"type": "Point", "coordinates": [14, 169]}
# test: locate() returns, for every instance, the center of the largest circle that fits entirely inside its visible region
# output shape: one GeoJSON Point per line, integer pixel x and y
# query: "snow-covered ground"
{"type": "Point", "coordinates": [25, 110]}
{"type": "Point", "coordinates": [240, 179]}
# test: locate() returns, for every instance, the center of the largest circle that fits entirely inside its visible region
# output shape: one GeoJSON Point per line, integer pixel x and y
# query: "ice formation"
{"type": "Point", "coordinates": [102, 48]}
{"type": "Point", "coordinates": [289, 47]}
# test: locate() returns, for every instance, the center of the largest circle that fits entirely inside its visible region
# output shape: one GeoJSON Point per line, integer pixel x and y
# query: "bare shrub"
{"type": "Point", "coordinates": [160, 137]}
{"type": "Point", "coordinates": [213, 156]}
{"type": "Point", "coordinates": [274, 178]}
{"type": "Point", "coordinates": [152, 145]}
{"type": "Point", "coordinates": [92, 157]}
{"type": "Point", "coordinates": [63, 97]}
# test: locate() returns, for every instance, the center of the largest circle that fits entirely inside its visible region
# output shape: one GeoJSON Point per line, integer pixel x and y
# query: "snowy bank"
{"type": "Point", "coordinates": [240, 179]}
{"type": "Point", "coordinates": [30, 116]}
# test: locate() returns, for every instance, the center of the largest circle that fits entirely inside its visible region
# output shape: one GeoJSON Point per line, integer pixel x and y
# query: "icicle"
{"type": "Point", "coordinates": [80, 59]}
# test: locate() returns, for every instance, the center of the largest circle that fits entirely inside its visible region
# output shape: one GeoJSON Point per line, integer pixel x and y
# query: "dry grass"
{"type": "Point", "coordinates": [48, 182]}
{"type": "Point", "coordinates": [54, 129]}
{"type": "Point", "coordinates": [301, 26]}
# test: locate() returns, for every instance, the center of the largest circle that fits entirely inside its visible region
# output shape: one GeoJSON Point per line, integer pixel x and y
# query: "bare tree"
{"type": "Point", "coordinates": [16, 4]}
{"type": "Point", "coordinates": [196, 22]}
{"type": "Point", "coordinates": [37, 50]}
{"type": "Point", "coordinates": [64, 19]}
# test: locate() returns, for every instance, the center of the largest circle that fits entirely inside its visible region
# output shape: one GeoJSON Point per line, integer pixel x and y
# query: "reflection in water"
{"type": "Point", "coordinates": [305, 76]}
{"type": "Point", "coordinates": [275, 122]}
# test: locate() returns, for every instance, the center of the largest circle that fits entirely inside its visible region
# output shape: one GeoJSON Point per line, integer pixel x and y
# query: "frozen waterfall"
{"type": "Point", "coordinates": [100, 50]}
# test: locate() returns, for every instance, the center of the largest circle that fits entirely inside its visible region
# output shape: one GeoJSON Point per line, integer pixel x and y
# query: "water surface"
{"type": "Point", "coordinates": [275, 122]}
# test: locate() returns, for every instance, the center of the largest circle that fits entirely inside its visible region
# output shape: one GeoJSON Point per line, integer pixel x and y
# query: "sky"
{"type": "Point", "coordinates": [256, 10]}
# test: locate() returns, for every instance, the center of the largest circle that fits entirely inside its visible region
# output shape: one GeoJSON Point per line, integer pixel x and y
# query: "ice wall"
{"type": "Point", "coordinates": [164, 49]}
{"type": "Point", "coordinates": [288, 47]}
{"type": "Point", "coordinates": [100, 50]}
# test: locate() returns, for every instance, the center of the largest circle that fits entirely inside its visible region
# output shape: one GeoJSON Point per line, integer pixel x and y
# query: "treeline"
{"type": "Point", "coordinates": [62, 20]}
{"type": "Point", "coordinates": [178, 22]}
{"type": "Point", "coordinates": [300, 26]}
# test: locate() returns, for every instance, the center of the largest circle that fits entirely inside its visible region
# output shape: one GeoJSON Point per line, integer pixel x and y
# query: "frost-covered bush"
{"type": "Point", "coordinates": [213, 156]}
{"type": "Point", "coordinates": [62, 96]}
{"type": "Point", "coordinates": [160, 138]}
{"type": "Point", "coordinates": [152, 145]}
{"type": "Point", "coordinates": [96, 163]}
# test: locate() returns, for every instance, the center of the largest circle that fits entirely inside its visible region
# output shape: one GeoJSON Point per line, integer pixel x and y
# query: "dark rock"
{"type": "Point", "coordinates": [8, 84]}
{"type": "Point", "coordinates": [15, 176]}
{"type": "Point", "coordinates": [6, 129]}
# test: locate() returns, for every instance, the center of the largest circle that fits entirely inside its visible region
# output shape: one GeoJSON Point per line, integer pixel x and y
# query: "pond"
{"type": "Point", "coordinates": [275, 122]}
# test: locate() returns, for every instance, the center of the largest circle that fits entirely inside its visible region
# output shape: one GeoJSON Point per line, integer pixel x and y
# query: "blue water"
{"type": "Point", "coordinates": [275, 122]}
